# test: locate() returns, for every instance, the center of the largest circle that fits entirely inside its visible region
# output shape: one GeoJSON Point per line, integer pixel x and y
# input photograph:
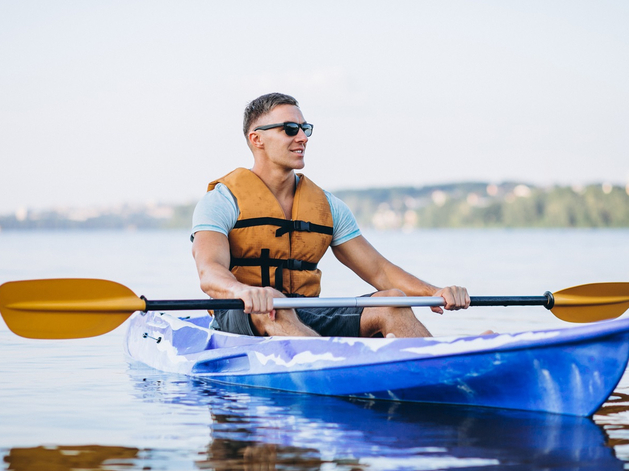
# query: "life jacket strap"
{"type": "Point", "coordinates": [285, 225]}
{"type": "Point", "coordinates": [265, 262]}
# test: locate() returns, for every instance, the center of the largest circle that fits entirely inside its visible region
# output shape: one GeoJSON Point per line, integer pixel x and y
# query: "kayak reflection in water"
{"type": "Point", "coordinates": [258, 234]}
{"type": "Point", "coordinates": [279, 430]}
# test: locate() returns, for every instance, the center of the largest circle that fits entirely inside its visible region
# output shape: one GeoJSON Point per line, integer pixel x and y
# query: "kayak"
{"type": "Point", "coordinates": [568, 371]}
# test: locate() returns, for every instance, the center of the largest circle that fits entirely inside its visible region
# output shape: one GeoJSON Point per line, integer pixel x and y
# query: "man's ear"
{"type": "Point", "coordinates": [255, 140]}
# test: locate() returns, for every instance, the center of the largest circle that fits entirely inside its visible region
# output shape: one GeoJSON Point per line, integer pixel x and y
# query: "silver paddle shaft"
{"type": "Point", "coordinates": [373, 301]}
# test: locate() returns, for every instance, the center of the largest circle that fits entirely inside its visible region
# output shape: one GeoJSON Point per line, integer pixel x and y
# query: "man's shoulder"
{"type": "Point", "coordinates": [230, 177]}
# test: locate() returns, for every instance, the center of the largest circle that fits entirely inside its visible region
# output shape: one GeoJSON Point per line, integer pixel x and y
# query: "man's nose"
{"type": "Point", "coordinates": [301, 136]}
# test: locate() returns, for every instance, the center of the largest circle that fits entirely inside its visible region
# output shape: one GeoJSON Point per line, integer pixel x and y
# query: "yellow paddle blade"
{"type": "Point", "coordinates": [592, 302]}
{"type": "Point", "coordinates": [66, 308]}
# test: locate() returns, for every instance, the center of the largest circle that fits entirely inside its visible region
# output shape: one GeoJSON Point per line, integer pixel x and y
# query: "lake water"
{"type": "Point", "coordinates": [79, 404]}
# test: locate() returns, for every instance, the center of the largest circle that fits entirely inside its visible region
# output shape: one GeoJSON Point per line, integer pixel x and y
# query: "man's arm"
{"type": "Point", "coordinates": [364, 260]}
{"type": "Point", "coordinates": [211, 253]}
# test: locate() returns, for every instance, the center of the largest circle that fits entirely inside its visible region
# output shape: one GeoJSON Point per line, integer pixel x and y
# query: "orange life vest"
{"type": "Point", "coordinates": [267, 249]}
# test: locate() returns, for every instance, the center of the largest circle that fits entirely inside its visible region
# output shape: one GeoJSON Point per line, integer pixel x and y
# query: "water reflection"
{"type": "Point", "coordinates": [267, 430]}
{"type": "Point", "coordinates": [257, 430]}
{"type": "Point", "coordinates": [67, 458]}
{"type": "Point", "coordinates": [614, 418]}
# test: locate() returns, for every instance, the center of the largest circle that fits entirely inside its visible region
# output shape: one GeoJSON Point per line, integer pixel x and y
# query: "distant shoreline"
{"type": "Point", "coordinates": [457, 205]}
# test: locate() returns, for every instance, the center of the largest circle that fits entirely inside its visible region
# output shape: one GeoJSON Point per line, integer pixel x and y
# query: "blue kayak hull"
{"type": "Point", "coordinates": [567, 371]}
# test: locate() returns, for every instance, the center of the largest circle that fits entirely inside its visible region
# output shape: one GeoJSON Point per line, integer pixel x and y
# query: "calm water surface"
{"type": "Point", "coordinates": [79, 404]}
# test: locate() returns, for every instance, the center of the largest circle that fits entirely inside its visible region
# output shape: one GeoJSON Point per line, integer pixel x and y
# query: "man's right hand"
{"type": "Point", "coordinates": [258, 300]}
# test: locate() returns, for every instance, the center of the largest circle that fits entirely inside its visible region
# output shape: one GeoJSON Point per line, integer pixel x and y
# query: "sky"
{"type": "Point", "coordinates": [135, 101]}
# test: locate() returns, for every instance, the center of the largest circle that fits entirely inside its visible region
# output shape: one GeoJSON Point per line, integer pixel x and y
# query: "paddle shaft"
{"type": "Point", "coordinates": [84, 307]}
{"type": "Point", "coordinates": [365, 301]}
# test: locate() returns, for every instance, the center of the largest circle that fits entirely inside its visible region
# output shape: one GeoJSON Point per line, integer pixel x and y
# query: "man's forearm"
{"type": "Point", "coordinates": [396, 277]}
{"type": "Point", "coordinates": [217, 282]}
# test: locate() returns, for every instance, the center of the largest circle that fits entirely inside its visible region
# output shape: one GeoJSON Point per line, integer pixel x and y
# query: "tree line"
{"type": "Point", "coordinates": [456, 205]}
{"type": "Point", "coordinates": [482, 205]}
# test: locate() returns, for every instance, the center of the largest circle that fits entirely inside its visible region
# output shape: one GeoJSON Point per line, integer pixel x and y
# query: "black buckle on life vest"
{"type": "Point", "coordinates": [301, 226]}
{"type": "Point", "coordinates": [294, 264]}
{"type": "Point", "coordinates": [291, 226]}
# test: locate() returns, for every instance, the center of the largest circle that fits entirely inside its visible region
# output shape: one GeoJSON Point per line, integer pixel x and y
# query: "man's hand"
{"type": "Point", "coordinates": [258, 300]}
{"type": "Point", "coordinates": [455, 297]}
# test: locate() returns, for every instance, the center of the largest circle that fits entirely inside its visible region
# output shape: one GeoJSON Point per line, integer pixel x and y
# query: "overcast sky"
{"type": "Point", "coordinates": [105, 102]}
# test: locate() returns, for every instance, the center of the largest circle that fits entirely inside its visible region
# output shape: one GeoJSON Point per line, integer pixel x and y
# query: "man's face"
{"type": "Point", "coordinates": [279, 148]}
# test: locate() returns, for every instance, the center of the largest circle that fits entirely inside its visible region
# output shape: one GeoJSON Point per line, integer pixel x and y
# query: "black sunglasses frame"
{"type": "Point", "coordinates": [290, 128]}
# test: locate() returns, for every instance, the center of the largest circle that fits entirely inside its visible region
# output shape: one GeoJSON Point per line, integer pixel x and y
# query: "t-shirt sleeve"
{"type": "Point", "coordinates": [345, 225]}
{"type": "Point", "coordinates": [217, 211]}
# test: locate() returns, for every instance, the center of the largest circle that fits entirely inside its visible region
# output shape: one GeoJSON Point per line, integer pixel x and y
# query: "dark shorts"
{"type": "Point", "coordinates": [327, 322]}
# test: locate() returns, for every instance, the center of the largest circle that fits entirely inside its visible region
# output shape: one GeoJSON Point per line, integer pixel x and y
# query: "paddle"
{"type": "Point", "coordinates": [77, 308]}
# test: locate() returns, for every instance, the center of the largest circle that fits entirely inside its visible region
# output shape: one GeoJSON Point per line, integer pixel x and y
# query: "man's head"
{"type": "Point", "coordinates": [276, 132]}
{"type": "Point", "coordinates": [262, 106]}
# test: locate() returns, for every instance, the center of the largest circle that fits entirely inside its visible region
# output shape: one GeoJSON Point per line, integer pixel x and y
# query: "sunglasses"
{"type": "Point", "coordinates": [290, 128]}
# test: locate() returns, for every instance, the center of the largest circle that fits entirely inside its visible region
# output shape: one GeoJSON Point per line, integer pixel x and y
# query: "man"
{"type": "Point", "coordinates": [258, 234]}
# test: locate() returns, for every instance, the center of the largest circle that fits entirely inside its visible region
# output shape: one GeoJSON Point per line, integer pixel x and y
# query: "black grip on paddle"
{"type": "Point", "coordinates": [193, 304]}
{"type": "Point", "coordinates": [510, 301]}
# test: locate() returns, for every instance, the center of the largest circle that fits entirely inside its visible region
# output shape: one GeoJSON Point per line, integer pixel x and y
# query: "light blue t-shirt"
{"type": "Point", "coordinates": [218, 211]}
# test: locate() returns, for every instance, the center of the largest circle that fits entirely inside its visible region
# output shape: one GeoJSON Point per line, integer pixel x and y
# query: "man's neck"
{"type": "Point", "coordinates": [282, 184]}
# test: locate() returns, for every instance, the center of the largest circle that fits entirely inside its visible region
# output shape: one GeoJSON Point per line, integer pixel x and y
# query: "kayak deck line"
{"type": "Point", "coordinates": [567, 371]}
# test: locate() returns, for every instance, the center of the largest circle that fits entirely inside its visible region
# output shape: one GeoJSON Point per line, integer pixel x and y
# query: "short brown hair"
{"type": "Point", "coordinates": [263, 105]}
